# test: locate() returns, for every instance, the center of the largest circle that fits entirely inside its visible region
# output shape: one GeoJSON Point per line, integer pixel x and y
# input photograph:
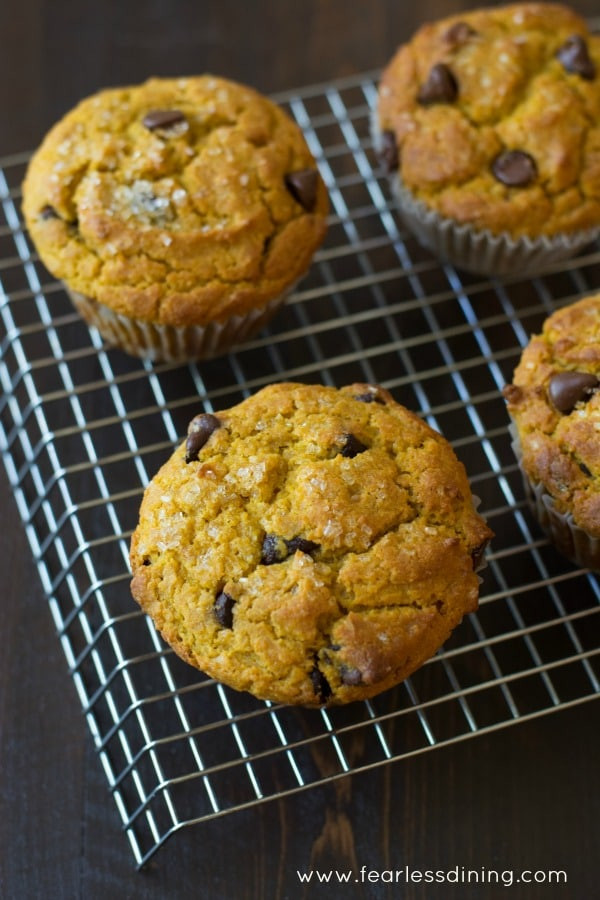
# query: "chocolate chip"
{"type": "Point", "coordinates": [477, 555]}
{"type": "Point", "coordinates": [162, 119]}
{"type": "Point", "coordinates": [459, 33]}
{"type": "Point", "coordinates": [440, 87]}
{"type": "Point", "coordinates": [370, 397]}
{"type": "Point", "coordinates": [200, 429]}
{"type": "Point", "coordinates": [321, 686]}
{"type": "Point", "coordinates": [350, 676]}
{"type": "Point", "coordinates": [515, 168]}
{"type": "Point", "coordinates": [48, 212]}
{"type": "Point", "coordinates": [388, 151]}
{"type": "Point", "coordinates": [302, 185]}
{"type": "Point", "coordinates": [301, 544]}
{"type": "Point", "coordinates": [567, 389]}
{"type": "Point", "coordinates": [274, 550]}
{"type": "Point", "coordinates": [587, 472]}
{"type": "Point", "coordinates": [351, 446]}
{"type": "Point", "coordinates": [146, 561]}
{"type": "Point", "coordinates": [575, 57]}
{"type": "Point", "coordinates": [223, 609]}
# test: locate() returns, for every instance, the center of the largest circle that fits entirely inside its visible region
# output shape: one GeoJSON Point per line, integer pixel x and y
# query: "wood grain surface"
{"type": "Point", "coordinates": [525, 797]}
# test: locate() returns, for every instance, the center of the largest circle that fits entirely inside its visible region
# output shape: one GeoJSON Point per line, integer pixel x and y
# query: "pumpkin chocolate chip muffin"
{"type": "Point", "coordinates": [488, 123]}
{"type": "Point", "coordinates": [178, 212]}
{"type": "Point", "coordinates": [554, 403]}
{"type": "Point", "coordinates": [309, 545]}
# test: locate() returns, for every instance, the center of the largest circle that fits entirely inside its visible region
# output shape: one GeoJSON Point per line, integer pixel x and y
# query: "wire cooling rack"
{"type": "Point", "coordinates": [84, 427]}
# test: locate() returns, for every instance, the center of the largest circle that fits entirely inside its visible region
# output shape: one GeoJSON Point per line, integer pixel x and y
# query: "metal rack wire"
{"type": "Point", "coordinates": [84, 427]}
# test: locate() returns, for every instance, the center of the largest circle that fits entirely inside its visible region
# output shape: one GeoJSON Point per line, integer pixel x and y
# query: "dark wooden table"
{"type": "Point", "coordinates": [521, 798]}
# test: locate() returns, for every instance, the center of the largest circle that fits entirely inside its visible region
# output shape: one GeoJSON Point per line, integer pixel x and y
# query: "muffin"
{"type": "Point", "coordinates": [310, 545]}
{"type": "Point", "coordinates": [488, 123]}
{"type": "Point", "coordinates": [554, 404]}
{"type": "Point", "coordinates": [179, 213]}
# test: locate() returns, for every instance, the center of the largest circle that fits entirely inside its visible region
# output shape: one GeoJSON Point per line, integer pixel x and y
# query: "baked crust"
{"type": "Point", "coordinates": [318, 548]}
{"type": "Point", "coordinates": [513, 93]}
{"type": "Point", "coordinates": [180, 225]}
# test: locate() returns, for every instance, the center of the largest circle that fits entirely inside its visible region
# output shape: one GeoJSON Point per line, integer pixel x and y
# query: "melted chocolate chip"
{"type": "Point", "coordinates": [302, 544]}
{"type": "Point", "coordinates": [587, 472]}
{"type": "Point", "coordinates": [567, 389]}
{"type": "Point", "coordinates": [223, 609]}
{"type": "Point", "coordinates": [459, 33]}
{"type": "Point", "coordinates": [575, 57]}
{"type": "Point", "coordinates": [351, 446]}
{"type": "Point", "coordinates": [515, 168]}
{"type": "Point", "coordinates": [440, 87]}
{"type": "Point", "coordinates": [370, 397]}
{"type": "Point", "coordinates": [302, 185]}
{"type": "Point", "coordinates": [162, 119]}
{"type": "Point", "coordinates": [48, 212]}
{"type": "Point", "coordinates": [146, 561]}
{"type": "Point", "coordinates": [350, 676]}
{"type": "Point", "coordinates": [321, 686]}
{"type": "Point", "coordinates": [274, 550]}
{"type": "Point", "coordinates": [388, 151]}
{"type": "Point", "coordinates": [200, 429]}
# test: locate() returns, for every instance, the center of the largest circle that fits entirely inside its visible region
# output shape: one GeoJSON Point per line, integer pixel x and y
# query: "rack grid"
{"type": "Point", "coordinates": [83, 428]}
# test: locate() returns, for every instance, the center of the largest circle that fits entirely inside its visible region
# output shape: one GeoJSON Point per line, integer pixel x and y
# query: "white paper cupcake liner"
{"type": "Point", "coordinates": [569, 538]}
{"type": "Point", "coordinates": [480, 251]}
{"type": "Point", "coordinates": [170, 343]}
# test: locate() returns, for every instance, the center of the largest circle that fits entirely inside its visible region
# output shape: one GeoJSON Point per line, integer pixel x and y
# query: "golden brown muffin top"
{"type": "Point", "coordinates": [555, 404]}
{"type": "Point", "coordinates": [310, 545]}
{"type": "Point", "coordinates": [492, 118]}
{"type": "Point", "coordinates": [178, 201]}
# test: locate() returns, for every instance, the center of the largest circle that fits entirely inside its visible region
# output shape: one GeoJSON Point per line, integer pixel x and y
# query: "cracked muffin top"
{"type": "Point", "coordinates": [178, 201]}
{"type": "Point", "coordinates": [492, 118]}
{"type": "Point", "coordinates": [554, 402]}
{"type": "Point", "coordinates": [309, 545]}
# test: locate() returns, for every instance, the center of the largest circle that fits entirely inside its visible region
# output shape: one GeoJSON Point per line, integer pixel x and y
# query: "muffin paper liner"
{"type": "Point", "coordinates": [569, 539]}
{"type": "Point", "coordinates": [480, 251]}
{"type": "Point", "coordinates": [170, 343]}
